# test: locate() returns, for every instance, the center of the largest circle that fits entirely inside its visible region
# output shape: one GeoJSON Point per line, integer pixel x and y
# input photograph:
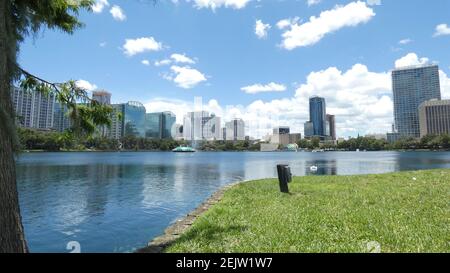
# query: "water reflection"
{"type": "Point", "coordinates": [324, 167]}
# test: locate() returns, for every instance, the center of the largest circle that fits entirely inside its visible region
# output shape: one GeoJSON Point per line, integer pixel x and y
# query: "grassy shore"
{"type": "Point", "coordinates": [402, 212]}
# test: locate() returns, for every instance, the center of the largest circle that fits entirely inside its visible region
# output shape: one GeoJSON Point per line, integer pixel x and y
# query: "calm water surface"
{"type": "Point", "coordinates": [117, 202]}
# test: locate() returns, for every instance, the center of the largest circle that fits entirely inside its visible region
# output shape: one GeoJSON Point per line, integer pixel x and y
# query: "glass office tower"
{"type": "Point", "coordinates": [134, 119]}
{"type": "Point", "coordinates": [160, 125]}
{"type": "Point", "coordinates": [318, 115]}
{"type": "Point", "coordinates": [411, 87]}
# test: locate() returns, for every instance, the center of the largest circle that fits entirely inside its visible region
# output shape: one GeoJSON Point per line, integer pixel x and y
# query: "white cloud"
{"type": "Point", "coordinates": [145, 62]}
{"type": "Point", "coordinates": [140, 45]}
{"type": "Point", "coordinates": [117, 13]}
{"type": "Point", "coordinates": [260, 88]}
{"type": "Point", "coordinates": [213, 4]}
{"type": "Point", "coordinates": [441, 30]}
{"type": "Point", "coordinates": [99, 5]}
{"type": "Point", "coordinates": [181, 58]}
{"type": "Point", "coordinates": [409, 60]}
{"type": "Point", "coordinates": [186, 77]}
{"type": "Point", "coordinates": [361, 100]}
{"type": "Point", "coordinates": [445, 85]}
{"type": "Point", "coordinates": [405, 41]}
{"type": "Point", "coordinates": [102, 44]}
{"type": "Point", "coordinates": [374, 2]}
{"type": "Point", "coordinates": [311, 32]}
{"type": "Point", "coordinates": [261, 29]}
{"type": "Point", "coordinates": [282, 24]}
{"type": "Point", "coordinates": [83, 84]}
{"type": "Point", "coordinates": [163, 62]}
{"type": "Point", "coordinates": [313, 2]}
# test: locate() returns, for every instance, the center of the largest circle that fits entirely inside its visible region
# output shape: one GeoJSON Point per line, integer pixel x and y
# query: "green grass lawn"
{"type": "Point", "coordinates": [403, 212]}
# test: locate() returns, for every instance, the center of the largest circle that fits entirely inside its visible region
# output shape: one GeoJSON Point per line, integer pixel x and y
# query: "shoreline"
{"type": "Point", "coordinates": [267, 152]}
{"type": "Point", "coordinates": [174, 231]}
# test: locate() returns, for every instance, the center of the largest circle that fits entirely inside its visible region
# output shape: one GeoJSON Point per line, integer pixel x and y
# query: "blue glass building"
{"type": "Point", "coordinates": [318, 115]}
{"type": "Point", "coordinates": [411, 87]}
{"type": "Point", "coordinates": [134, 119]}
{"type": "Point", "coordinates": [160, 125]}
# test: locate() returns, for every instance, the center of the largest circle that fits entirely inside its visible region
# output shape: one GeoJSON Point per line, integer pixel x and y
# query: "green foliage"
{"type": "Point", "coordinates": [220, 145]}
{"type": "Point", "coordinates": [403, 212]}
{"type": "Point", "coordinates": [29, 16]}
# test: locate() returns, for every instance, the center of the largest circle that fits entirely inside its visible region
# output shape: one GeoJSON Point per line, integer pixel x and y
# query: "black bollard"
{"type": "Point", "coordinates": [284, 177]}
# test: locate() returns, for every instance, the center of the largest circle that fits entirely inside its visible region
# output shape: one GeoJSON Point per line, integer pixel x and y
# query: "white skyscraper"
{"type": "Point", "coordinates": [34, 109]}
{"type": "Point", "coordinates": [235, 130]}
{"type": "Point", "coordinates": [201, 126]}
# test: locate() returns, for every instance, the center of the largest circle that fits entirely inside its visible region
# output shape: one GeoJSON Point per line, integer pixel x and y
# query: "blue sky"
{"type": "Point", "coordinates": [259, 60]}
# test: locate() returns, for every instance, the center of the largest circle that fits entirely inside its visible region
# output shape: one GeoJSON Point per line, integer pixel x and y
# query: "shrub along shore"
{"type": "Point", "coordinates": [33, 140]}
{"type": "Point", "coordinates": [396, 212]}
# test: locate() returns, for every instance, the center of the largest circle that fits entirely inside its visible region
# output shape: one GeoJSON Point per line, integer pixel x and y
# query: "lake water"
{"type": "Point", "coordinates": [117, 202]}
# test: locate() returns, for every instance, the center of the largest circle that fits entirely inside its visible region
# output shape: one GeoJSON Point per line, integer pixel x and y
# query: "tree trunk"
{"type": "Point", "coordinates": [12, 239]}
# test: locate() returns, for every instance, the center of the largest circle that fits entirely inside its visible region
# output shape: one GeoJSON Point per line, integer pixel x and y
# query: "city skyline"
{"type": "Point", "coordinates": [251, 61]}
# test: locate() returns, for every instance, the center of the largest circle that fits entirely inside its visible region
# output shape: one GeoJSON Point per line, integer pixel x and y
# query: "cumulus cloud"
{"type": "Point", "coordinates": [261, 29]}
{"type": "Point", "coordinates": [360, 98]}
{"type": "Point", "coordinates": [441, 30]}
{"type": "Point", "coordinates": [117, 13]}
{"type": "Point", "coordinates": [214, 4]}
{"type": "Point", "coordinates": [99, 5]}
{"type": "Point", "coordinates": [186, 77]}
{"type": "Point", "coordinates": [181, 58]}
{"type": "Point", "coordinates": [260, 88]}
{"type": "Point", "coordinates": [409, 60]}
{"type": "Point", "coordinates": [313, 2]}
{"type": "Point", "coordinates": [311, 32]}
{"type": "Point", "coordinates": [140, 45]}
{"type": "Point", "coordinates": [163, 62]}
{"type": "Point", "coordinates": [145, 62]}
{"type": "Point", "coordinates": [83, 84]}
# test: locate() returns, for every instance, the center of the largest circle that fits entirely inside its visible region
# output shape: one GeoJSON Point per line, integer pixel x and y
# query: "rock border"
{"type": "Point", "coordinates": [175, 230]}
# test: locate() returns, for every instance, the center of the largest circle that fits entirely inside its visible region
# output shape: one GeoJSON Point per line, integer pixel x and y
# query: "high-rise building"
{"type": "Point", "coordinates": [235, 130]}
{"type": "Point", "coordinates": [309, 129]}
{"type": "Point", "coordinates": [102, 97]}
{"type": "Point", "coordinates": [178, 131]}
{"type": "Point", "coordinates": [134, 119]}
{"type": "Point", "coordinates": [33, 109]}
{"type": "Point", "coordinates": [434, 117]}
{"type": "Point", "coordinates": [282, 130]}
{"type": "Point", "coordinates": [318, 115]}
{"type": "Point", "coordinates": [332, 126]}
{"type": "Point", "coordinates": [116, 131]}
{"type": "Point", "coordinates": [61, 120]}
{"type": "Point", "coordinates": [159, 125]}
{"type": "Point", "coordinates": [202, 126]}
{"type": "Point", "coordinates": [411, 87]}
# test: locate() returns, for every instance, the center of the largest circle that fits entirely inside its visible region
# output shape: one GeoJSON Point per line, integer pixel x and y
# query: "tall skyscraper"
{"type": "Point", "coordinates": [102, 96]}
{"type": "Point", "coordinates": [61, 120]}
{"type": "Point", "coordinates": [318, 115]}
{"type": "Point", "coordinates": [159, 125]}
{"type": "Point", "coordinates": [116, 131]}
{"type": "Point", "coordinates": [134, 119]}
{"type": "Point", "coordinates": [33, 109]}
{"type": "Point", "coordinates": [332, 126]}
{"type": "Point", "coordinates": [235, 130]}
{"type": "Point", "coordinates": [411, 87]}
{"type": "Point", "coordinates": [202, 126]}
{"type": "Point", "coordinates": [434, 117]}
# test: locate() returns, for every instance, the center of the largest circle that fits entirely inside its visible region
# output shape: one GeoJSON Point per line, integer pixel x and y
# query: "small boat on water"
{"type": "Point", "coordinates": [184, 149]}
